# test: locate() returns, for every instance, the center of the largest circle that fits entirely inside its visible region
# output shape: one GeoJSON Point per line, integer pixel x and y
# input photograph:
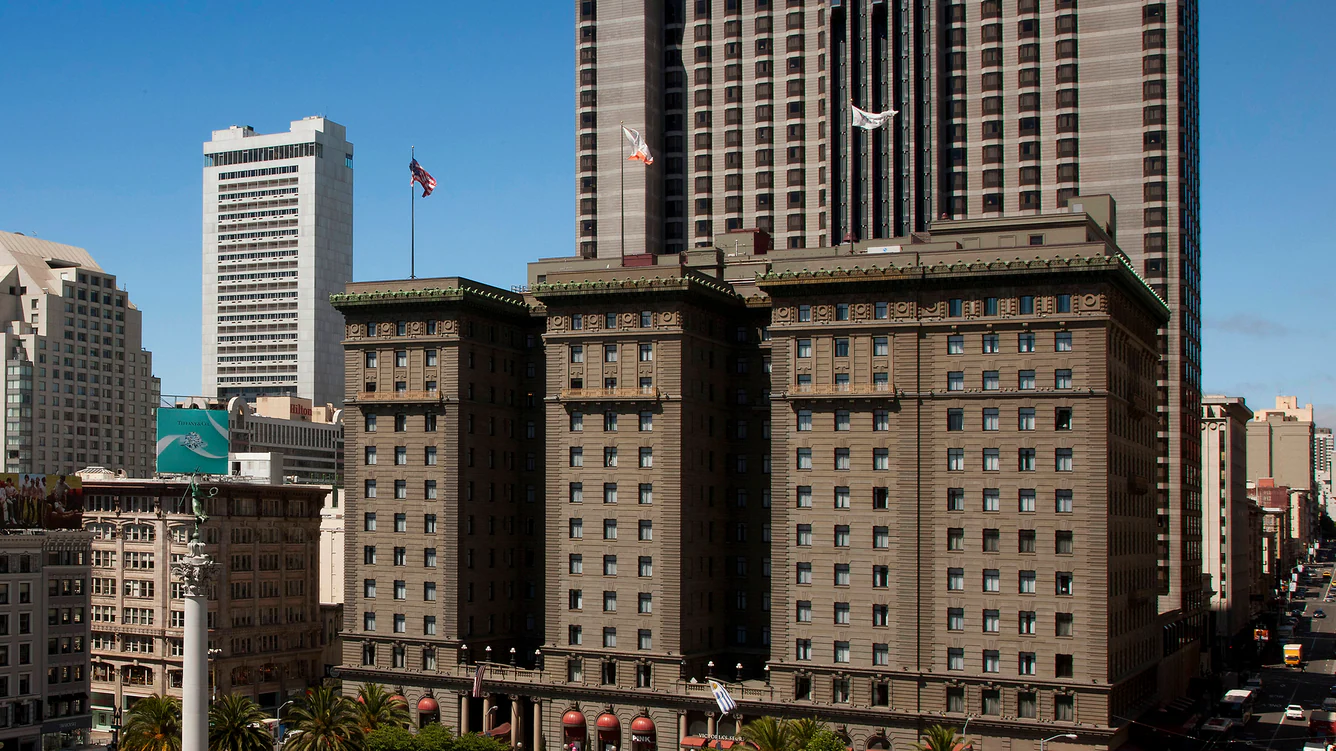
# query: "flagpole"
{"type": "Point", "coordinates": [622, 201]}
{"type": "Point", "coordinates": [412, 222]}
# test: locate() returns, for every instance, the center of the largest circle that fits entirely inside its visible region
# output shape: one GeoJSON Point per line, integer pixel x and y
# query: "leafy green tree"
{"type": "Point", "coordinates": [237, 724]}
{"type": "Point", "coordinates": [434, 737]}
{"type": "Point", "coordinates": [939, 738]}
{"type": "Point", "coordinates": [1328, 526]}
{"type": "Point", "coordinates": [476, 742]}
{"type": "Point", "coordinates": [153, 724]}
{"type": "Point", "coordinates": [769, 734]}
{"type": "Point", "coordinates": [804, 730]}
{"type": "Point", "coordinates": [824, 740]}
{"type": "Point", "coordinates": [322, 720]}
{"type": "Point", "coordinates": [378, 708]}
{"type": "Point", "coordinates": [390, 738]}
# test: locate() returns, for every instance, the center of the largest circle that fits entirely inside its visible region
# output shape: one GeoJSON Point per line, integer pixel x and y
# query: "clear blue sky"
{"type": "Point", "coordinates": [105, 107]}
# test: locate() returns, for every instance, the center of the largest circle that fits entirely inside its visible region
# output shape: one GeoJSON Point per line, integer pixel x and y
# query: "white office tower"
{"type": "Point", "coordinates": [79, 386]}
{"type": "Point", "coordinates": [278, 240]}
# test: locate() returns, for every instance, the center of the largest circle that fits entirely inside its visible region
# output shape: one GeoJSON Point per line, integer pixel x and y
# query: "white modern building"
{"type": "Point", "coordinates": [278, 240]}
{"type": "Point", "coordinates": [79, 386]}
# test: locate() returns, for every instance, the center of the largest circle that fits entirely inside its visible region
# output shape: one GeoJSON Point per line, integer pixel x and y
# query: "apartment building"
{"type": "Point", "coordinates": [266, 635]}
{"type": "Point", "coordinates": [1231, 529]}
{"type": "Point", "coordinates": [1005, 109]}
{"type": "Point", "coordinates": [1324, 452]}
{"type": "Point", "coordinates": [80, 387]}
{"type": "Point", "coordinates": [278, 240]}
{"type": "Point", "coordinates": [890, 487]}
{"type": "Point", "coordinates": [43, 639]}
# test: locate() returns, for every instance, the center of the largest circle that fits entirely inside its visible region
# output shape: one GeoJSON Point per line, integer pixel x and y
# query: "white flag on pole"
{"type": "Point", "coordinates": [871, 120]}
{"type": "Point", "coordinates": [722, 698]}
{"type": "Point", "coordinates": [641, 149]}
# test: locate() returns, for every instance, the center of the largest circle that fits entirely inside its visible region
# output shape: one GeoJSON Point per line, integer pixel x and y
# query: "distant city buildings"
{"type": "Point", "coordinates": [278, 224]}
{"type": "Point", "coordinates": [79, 388]}
{"type": "Point", "coordinates": [44, 639]}
{"type": "Point", "coordinates": [1232, 522]}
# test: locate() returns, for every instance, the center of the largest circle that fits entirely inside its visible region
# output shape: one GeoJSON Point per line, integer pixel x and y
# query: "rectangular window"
{"type": "Point", "coordinates": [955, 381]}
{"type": "Point", "coordinates": [992, 499]}
{"type": "Point", "coordinates": [955, 344]}
{"type": "Point", "coordinates": [992, 460]}
{"type": "Point", "coordinates": [804, 348]}
{"type": "Point", "coordinates": [1027, 583]}
{"type": "Point", "coordinates": [1063, 501]}
{"type": "Point", "coordinates": [804, 420]}
{"type": "Point", "coordinates": [1062, 341]}
{"type": "Point", "coordinates": [1065, 584]}
{"type": "Point", "coordinates": [991, 344]}
{"type": "Point", "coordinates": [1026, 541]}
{"type": "Point", "coordinates": [1026, 500]}
{"type": "Point", "coordinates": [992, 580]}
{"type": "Point", "coordinates": [955, 499]}
{"type": "Point", "coordinates": [1025, 418]}
{"type": "Point", "coordinates": [881, 346]}
{"type": "Point", "coordinates": [804, 573]}
{"type": "Point", "coordinates": [881, 420]}
{"type": "Point", "coordinates": [1025, 343]}
{"type": "Point", "coordinates": [955, 539]}
{"type": "Point", "coordinates": [881, 459]}
{"type": "Point", "coordinates": [955, 658]}
{"type": "Point", "coordinates": [843, 460]}
{"type": "Point", "coordinates": [804, 458]}
{"type": "Point", "coordinates": [955, 419]}
{"type": "Point", "coordinates": [1063, 460]}
{"type": "Point", "coordinates": [955, 460]}
{"type": "Point", "coordinates": [646, 530]}
{"type": "Point", "coordinates": [1025, 460]}
{"type": "Point", "coordinates": [842, 497]}
{"type": "Point", "coordinates": [955, 579]}
{"type": "Point", "coordinates": [609, 529]}
{"type": "Point", "coordinates": [576, 527]}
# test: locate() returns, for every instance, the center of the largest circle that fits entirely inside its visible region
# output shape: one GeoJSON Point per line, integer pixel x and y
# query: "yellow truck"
{"type": "Point", "coordinates": [1293, 654]}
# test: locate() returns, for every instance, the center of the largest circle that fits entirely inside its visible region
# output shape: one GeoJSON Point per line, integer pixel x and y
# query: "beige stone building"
{"type": "Point", "coordinates": [44, 639]}
{"type": "Point", "coordinates": [1282, 446]}
{"type": "Point", "coordinates": [80, 388]}
{"type": "Point", "coordinates": [266, 633]}
{"type": "Point", "coordinates": [1232, 547]}
{"type": "Point", "coordinates": [904, 484]}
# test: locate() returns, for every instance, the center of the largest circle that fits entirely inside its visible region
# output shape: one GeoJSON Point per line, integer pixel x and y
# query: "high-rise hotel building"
{"type": "Point", "coordinates": [1007, 108]}
{"type": "Point", "coordinates": [905, 484]}
{"type": "Point", "coordinates": [278, 241]}
{"type": "Point", "coordinates": [79, 385]}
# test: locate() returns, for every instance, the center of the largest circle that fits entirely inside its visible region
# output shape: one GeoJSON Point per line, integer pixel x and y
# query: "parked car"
{"type": "Point", "coordinates": [1319, 613]}
{"type": "Point", "coordinates": [1295, 712]}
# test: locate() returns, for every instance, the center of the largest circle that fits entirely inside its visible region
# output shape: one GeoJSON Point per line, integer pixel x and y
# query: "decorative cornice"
{"type": "Point", "coordinates": [431, 295]}
{"type": "Point", "coordinates": [1115, 264]}
{"type": "Point", "coordinates": [687, 283]}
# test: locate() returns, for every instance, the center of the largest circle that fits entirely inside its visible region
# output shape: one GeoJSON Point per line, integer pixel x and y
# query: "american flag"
{"type": "Point", "coordinates": [721, 697]}
{"type": "Point", "coordinates": [477, 674]}
{"type": "Point", "coordinates": [422, 177]}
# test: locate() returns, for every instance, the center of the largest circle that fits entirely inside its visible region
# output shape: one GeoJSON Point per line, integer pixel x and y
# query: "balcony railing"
{"type": "Point", "coordinates": [631, 394]}
{"type": "Point", "coordinates": [842, 389]}
{"type": "Point", "coordinates": [399, 396]}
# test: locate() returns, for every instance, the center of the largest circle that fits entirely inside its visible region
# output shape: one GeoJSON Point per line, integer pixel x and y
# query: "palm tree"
{"type": "Point", "coordinates": [769, 734]}
{"type": "Point", "coordinates": [939, 738]}
{"type": "Point", "coordinates": [237, 724]}
{"type": "Point", "coordinates": [804, 730]}
{"type": "Point", "coordinates": [377, 708]}
{"type": "Point", "coordinates": [324, 721]}
{"type": "Point", "coordinates": [154, 724]}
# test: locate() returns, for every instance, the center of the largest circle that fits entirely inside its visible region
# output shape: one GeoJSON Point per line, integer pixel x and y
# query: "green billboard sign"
{"type": "Point", "coordinates": [192, 440]}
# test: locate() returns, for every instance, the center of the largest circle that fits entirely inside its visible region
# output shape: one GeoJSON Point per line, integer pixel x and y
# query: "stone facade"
{"type": "Point", "coordinates": [892, 487]}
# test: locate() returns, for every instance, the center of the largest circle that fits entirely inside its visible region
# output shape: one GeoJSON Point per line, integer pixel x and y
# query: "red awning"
{"type": "Point", "coordinates": [399, 697]}
{"type": "Point", "coordinates": [693, 741]}
{"type": "Point", "coordinates": [642, 725]}
{"type": "Point", "coordinates": [573, 718]}
{"type": "Point", "coordinates": [428, 704]}
{"type": "Point", "coordinates": [500, 730]}
{"type": "Point", "coordinates": [608, 721]}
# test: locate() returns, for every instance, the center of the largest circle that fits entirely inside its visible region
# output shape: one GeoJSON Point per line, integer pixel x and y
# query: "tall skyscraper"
{"type": "Point", "coordinates": [80, 388]}
{"type": "Point", "coordinates": [278, 241]}
{"type": "Point", "coordinates": [1006, 109]}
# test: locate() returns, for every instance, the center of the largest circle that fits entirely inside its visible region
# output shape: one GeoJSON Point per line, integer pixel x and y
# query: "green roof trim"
{"type": "Point", "coordinates": [430, 295]}
{"type": "Point", "coordinates": [642, 284]}
{"type": "Point", "coordinates": [930, 271]}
